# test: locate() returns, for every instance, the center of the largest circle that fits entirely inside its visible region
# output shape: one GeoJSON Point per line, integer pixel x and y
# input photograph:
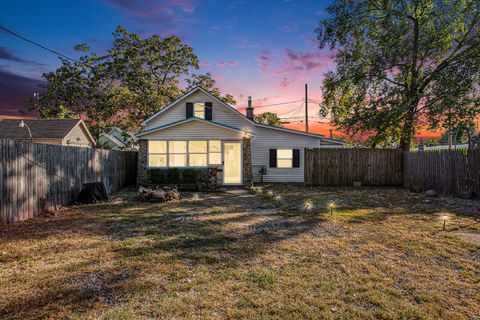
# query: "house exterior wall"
{"type": "Point", "coordinates": [266, 139]}
{"type": "Point", "coordinates": [262, 141]}
{"type": "Point", "coordinates": [194, 130]}
{"type": "Point", "coordinates": [76, 137]}
{"type": "Point", "coordinates": [219, 113]}
{"type": "Point", "coordinates": [142, 163]}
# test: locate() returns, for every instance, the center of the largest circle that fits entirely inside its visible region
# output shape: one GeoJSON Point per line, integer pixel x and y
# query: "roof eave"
{"type": "Point", "coordinates": [180, 122]}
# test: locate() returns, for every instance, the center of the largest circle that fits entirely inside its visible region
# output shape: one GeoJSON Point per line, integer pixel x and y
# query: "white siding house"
{"type": "Point", "coordinates": [202, 122]}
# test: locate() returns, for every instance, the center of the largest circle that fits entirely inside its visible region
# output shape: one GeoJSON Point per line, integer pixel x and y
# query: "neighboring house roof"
{"type": "Point", "coordinates": [176, 123]}
{"type": "Point", "coordinates": [41, 129]}
{"type": "Point", "coordinates": [236, 111]}
{"type": "Point", "coordinates": [115, 136]}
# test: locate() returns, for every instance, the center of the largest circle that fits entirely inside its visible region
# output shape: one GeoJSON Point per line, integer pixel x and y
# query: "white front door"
{"type": "Point", "coordinates": [232, 163]}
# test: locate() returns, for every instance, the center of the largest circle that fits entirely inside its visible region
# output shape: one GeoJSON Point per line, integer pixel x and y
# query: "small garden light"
{"type": "Point", "coordinates": [278, 199]}
{"type": "Point", "coordinates": [331, 208]}
{"type": "Point", "coordinates": [196, 198]}
{"type": "Point", "coordinates": [307, 205]}
{"type": "Point", "coordinates": [445, 217]}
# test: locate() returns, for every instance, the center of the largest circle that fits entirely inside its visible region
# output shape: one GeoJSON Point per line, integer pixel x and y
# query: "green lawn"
{"type": "Point", "coordinates": [381, 255]}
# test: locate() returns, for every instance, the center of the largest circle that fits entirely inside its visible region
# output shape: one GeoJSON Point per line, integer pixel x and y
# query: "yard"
{"type": "Point", "coordinates": [382, 254]}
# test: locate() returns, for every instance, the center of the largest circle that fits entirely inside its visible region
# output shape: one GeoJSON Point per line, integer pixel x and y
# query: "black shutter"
{"type": "Point", "coordinates": [273, 158]}
{"type": "Point", "coordinates": [208, 110]}
{"type": "Point", "coordinates": [189, 110]}
{"type": "Point", "coordinates": [296, 158]}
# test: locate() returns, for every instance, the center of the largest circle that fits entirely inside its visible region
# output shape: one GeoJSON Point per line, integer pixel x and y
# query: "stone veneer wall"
{"type": "Point", "coordinates": [247, 161]}
{"type": "Point", "coordinates": [142, 174]}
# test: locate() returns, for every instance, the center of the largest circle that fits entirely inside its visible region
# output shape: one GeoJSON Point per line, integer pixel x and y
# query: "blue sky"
{"type": "Point", "coordinates": [266, 49]}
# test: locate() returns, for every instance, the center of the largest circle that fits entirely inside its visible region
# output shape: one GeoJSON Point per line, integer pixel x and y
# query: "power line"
{"type": "Point", "coordinates": [294, 110]}
{"type": "Point", "coordinates": [277, 104]}
{"type": "Point", "coordinates": [37, 44]}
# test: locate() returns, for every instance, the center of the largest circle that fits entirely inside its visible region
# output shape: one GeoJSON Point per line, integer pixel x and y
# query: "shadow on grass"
{"type": "Point", "coordinates": [136, 234]}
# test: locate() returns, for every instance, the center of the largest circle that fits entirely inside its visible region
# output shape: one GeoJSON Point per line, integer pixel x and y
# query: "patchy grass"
{"type": "Point", "coordinates": [382, 254]}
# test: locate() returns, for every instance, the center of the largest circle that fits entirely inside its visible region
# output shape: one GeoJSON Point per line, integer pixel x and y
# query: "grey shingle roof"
{"type": "Point", "coordinates": [41, 128]}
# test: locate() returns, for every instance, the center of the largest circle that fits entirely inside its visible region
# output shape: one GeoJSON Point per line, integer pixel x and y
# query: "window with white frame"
{"type": "Point", "coordinates": [214, 152]}
{"type": "Point", "coordinates": [193, 153]}
{"type": "Point", "coordinates": [177, 153]}
{"type": "Point", "coordinates": [199, 110]}
{"type": "Point", "coordinates": [157, 153]}
{"type": "Point", "coordinates": [197, 153]}
{"type": "Point", "coordinates": [284, 158]}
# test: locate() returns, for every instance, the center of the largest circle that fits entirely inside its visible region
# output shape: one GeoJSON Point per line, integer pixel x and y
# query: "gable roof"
{"type": "Point", "coordinates": [199, 88]}
{"type": "Point", "coordinates": [169, 125]}
{"type": "Point", "coordinates": [41, 129]}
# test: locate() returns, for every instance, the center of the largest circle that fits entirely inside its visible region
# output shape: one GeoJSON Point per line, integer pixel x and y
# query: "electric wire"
{"type": "Point", "coordinates": [38, 45]}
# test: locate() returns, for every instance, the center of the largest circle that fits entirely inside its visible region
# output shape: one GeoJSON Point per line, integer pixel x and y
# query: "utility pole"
{"type": "Point", "coordinates": [306, 107]}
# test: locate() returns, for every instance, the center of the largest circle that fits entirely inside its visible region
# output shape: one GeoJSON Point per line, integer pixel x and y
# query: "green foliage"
{"type": "Point", "coordinates": [208, 83]}
{"type": "Point", "coordinates": [173, 176]}
{"type": "Point", "coordinates": [270, 118]}
{"type": "Point", "coordinates": [132, 81]}
{"type": "Point", "coordinates": [401, 65]}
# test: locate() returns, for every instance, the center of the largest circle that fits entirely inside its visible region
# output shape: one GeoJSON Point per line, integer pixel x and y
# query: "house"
{"type": "Point", "coordinates": [115, 139]}
{"type": "Point", "coordinates": [65, 132]}
{"type": "Point", "coordinates": [199, 131]}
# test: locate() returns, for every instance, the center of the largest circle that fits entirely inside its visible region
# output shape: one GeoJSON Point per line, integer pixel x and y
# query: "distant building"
{"type": "Point", "coordinates": [65, 132]}
{"type": "Point", "coordinates": [115, 139]}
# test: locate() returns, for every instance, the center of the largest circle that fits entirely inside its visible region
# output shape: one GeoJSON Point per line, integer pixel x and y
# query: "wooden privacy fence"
{"type": "Point", "coordinates": [448, 172]}
{"type": "Point", "coordinates": [39, 177]}
{"type": "Point", "coordinates": [341, 167]}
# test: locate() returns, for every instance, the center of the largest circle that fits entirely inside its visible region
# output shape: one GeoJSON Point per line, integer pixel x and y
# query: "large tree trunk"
{"type": "Point", "coordinates": [408, 129]}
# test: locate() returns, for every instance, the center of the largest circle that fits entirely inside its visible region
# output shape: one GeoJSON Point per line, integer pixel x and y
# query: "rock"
{"type": "Point", "coordinates": [431, 193]}
{"type": "Point", "coordinates": [158, 194]}
{"type": "Point", "coordinates": [467, 195]}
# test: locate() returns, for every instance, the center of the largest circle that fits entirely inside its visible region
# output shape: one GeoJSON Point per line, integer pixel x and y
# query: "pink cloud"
{"type": "Point", "coordinates": [204, 63]}
{"type": "Point", "coordinates": [285, 82]}
{"type": "Point", "coordinates": [294, 63]}
{"type": "Point", "coordinates": [230, 63]}
{"type": "Point", "coordinates": [169, 16]}
{"type": "Point", "coordinates": [246, 44]}
{"type": "Point", "coordinates": [185, 5]}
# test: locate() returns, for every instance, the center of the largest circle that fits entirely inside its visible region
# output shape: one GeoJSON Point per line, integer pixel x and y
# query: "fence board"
{"type": "Point", "coordinates": [342, 167]}
{"type": "Point", "coordinates": [35, 178]}
{"type": "Point", "coordinates": [448, 172]}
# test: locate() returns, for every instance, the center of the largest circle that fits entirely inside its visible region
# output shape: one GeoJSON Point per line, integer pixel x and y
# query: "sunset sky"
{"type": "Point", "coordinates": [266, 49]}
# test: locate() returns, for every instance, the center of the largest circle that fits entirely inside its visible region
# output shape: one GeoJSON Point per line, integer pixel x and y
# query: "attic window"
{"type": "Point", "coordinates": [199, 110]}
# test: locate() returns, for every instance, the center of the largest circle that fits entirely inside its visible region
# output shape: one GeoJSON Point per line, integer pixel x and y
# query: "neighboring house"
{"type": "Point", "coordinates": [65, 132]}
{"type": "Point", "coordinates": [115, 139]}
{"type": "Point", "coordinates": [200, 131]}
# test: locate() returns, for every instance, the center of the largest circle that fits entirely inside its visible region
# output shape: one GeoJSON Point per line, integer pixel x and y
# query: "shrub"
{"type": "Point", "coordinates": [174, 176]}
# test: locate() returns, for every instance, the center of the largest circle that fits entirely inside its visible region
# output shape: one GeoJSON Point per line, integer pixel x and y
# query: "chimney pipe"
{"type": "Point", "coordinates": [250, 109]}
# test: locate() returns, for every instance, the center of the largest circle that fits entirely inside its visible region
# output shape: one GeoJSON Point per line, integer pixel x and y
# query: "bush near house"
{"type": "Point", "coordinates": [182, 177]}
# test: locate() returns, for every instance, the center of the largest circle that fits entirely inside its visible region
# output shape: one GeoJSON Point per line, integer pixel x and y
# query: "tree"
{"type": "Point", "coordinates": [270, 118]}
{"type": "Point", "coordinates": [400, 65]}
{"type": "Point", "coordinates": [208, 83]}
{"type": "Point", "coordinates": [132, 81]}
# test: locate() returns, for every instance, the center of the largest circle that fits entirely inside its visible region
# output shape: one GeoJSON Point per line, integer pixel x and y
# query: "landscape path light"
{"type": "Point", "coordinates": [331, 208]}
{"type": "Point", "coordinates": [444, 218]}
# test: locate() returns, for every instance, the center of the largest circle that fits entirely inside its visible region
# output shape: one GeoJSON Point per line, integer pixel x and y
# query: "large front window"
{"type": "Point", "coordinates": [193, 153]}
{"type": "Point", "coordinates": [177, 153]}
